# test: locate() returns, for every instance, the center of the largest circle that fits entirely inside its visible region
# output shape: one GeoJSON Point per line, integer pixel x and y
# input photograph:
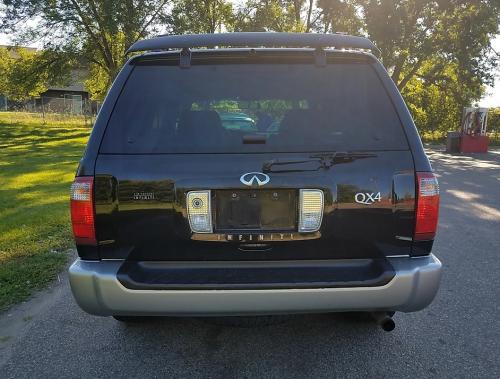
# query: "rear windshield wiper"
{"type": "Point", "coordinates": [268, 165]}
{"type": "Point", "coordinates": [329, 159]}
{"type": "Point", "coordinates": [324, 160]}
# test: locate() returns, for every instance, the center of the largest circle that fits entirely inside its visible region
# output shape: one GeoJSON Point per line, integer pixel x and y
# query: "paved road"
{"type": "Point", "coordinates": [457, 336]}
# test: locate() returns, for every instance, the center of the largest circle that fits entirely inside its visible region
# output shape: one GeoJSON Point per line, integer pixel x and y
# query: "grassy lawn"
{"type": "Point", "coordinates": [37, 164]}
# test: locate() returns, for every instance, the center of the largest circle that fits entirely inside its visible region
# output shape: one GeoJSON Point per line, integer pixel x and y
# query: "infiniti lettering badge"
{"type": "Point", "coordinates": [254, 178]}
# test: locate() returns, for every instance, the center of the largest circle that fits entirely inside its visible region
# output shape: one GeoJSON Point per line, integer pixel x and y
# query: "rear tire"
{"type": "Point", "coordinates": [361, 316]}
{"type": "Point", "coordinates": [247, 321]}
{"type": "Point", "coordinates": [129, 319]}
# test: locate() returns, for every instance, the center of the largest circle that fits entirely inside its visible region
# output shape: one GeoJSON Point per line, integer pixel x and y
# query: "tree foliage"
{"type": "Point", "coordinates": [338, 16]}
{"type": "Point", "coordinates": [25, 73]}
{"type": "Point", "coordinates": [97, 31]}
{"type": "Point", "coordinates": [272, 15]}
{"type": "Point", "coordinates": [14, 78]}
{"type": "Point", "coordinates": [436, 52]}
{"type": "Point", "coordinates": [494, 122]}
{"type": "Point", "coordinates": [201, 16]}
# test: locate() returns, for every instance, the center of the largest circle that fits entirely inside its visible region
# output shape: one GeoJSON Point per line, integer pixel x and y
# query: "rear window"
{"type": "Point", "coordinates": [282, 107]}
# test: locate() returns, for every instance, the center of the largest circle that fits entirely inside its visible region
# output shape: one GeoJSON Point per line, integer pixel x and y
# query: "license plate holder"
{"type": "Point", "coordinates": [256, 210]}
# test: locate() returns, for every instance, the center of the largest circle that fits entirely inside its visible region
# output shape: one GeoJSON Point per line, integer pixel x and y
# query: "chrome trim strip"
{"type": "Point", "coordinates": [112, 259]}
{"type": "Point", "coordinates": [403, 238]}
{"type": "Point", "coordinates": [246, 237]}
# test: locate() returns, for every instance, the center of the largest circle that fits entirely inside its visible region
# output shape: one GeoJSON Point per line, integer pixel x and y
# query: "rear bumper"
{"type": "Point", "coordinates": [97, 291]}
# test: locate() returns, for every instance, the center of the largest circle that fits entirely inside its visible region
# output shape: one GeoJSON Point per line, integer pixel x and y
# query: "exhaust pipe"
{"type": "Point", "coordinates": [384, 320]}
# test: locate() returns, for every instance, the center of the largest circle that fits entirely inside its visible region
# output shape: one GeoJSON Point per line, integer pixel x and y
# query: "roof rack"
{"type": "Point", "coordinates": [255, 39]}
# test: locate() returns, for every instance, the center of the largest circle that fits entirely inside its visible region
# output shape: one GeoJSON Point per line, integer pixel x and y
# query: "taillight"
{"type": "Point", "coordinates": [82, 210]}
{"type": "Point", "coordinates": [427, 206]}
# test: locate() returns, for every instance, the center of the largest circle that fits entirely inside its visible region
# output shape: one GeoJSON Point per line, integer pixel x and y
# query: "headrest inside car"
{"type": "Point", "coordinates": [200, 127]}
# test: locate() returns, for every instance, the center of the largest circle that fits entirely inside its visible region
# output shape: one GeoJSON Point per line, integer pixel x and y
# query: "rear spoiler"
{"type": "Point", "coordinates": [255, 39]}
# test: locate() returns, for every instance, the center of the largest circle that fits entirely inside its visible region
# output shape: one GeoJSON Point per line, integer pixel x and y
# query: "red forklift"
{"type": "Point", "coordinates": [472, 137]}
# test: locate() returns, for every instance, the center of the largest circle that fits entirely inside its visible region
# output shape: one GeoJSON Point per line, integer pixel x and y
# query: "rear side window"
{"type": "Point", "coordinates": [287, 107]}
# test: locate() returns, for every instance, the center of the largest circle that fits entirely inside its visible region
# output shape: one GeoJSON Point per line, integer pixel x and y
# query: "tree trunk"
{"type": "Point", "coordinates": [297, 5]}
{"type": "Point", "coordinates": [309, 12]}
{"type": "Point", "coordinates": [402, 84]}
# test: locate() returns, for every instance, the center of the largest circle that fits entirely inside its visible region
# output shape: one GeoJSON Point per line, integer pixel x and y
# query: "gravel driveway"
{"type": "Point", "coordinates": [457, 336]}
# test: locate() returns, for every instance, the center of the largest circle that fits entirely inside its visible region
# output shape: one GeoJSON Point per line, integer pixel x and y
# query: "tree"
{"type": "Point", "coordinates": [434, 105]}
{"type": "Point", "coordinates": [494, 123]}
{"type": "Point", "coordinates": [411, 33]}
{"type": "Point", "coordinates": [338, 16]}
{"type": "Point", "coordinates": [275, 15]}
{"type": "Point", "coordinates": [438, 53]}
{"type": "Point", "coordinates": [201, 16]}
{"type": "Point", "coordinates": [97, 31]}
{"type": "Point", "coordinates": [25, 73]}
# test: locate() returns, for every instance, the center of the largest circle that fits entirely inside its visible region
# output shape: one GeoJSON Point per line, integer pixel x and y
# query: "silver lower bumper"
{"type": "Point", "coordinates": [97, 291]}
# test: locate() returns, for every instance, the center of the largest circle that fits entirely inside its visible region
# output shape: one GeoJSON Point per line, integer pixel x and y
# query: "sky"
{"type": "Point", "coordinates": [491, 98]}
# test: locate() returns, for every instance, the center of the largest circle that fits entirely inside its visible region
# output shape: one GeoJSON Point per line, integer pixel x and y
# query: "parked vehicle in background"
{"type": "Point", "coordinates": [237, 121]}
{"type": "Point", "coordinates": [254, 181]}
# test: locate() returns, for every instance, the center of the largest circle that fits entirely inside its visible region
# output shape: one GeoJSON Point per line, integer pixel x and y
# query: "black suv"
{"type": "Point", "coordinates": [278, 173]}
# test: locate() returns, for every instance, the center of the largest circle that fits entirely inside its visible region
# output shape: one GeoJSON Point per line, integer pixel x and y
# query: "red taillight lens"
{"type": "Point", "coordinates": [427, 206]}
{"type": "Point", "coordinates": [82, 210]}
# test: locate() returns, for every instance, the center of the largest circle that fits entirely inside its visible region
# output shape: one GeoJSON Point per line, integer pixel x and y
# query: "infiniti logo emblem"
{"type": "Point", "coordinates": [254, 178]}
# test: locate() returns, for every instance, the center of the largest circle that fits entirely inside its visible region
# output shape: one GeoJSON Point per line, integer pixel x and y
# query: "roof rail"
{"type": "Point", "coordinates": [254, 39]}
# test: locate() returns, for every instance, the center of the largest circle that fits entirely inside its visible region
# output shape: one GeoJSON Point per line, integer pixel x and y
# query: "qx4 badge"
{"type": "Point", "coordinates": [367, 198]}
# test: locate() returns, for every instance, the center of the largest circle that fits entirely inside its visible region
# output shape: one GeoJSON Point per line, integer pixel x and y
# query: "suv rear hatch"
{"type": "Point", "coordinates": [254, 132]}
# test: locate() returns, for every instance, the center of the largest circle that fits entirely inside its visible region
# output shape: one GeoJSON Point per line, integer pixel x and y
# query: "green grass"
{"type": "Point", "coordinates": [38, 159]}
